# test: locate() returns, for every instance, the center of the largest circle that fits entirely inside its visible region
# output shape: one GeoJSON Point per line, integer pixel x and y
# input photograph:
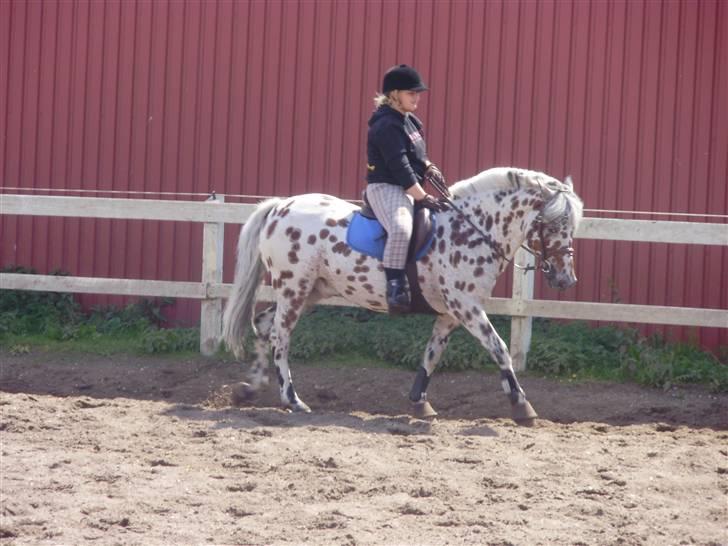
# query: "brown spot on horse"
{"type": "Point", "coordinates": [341, 248]}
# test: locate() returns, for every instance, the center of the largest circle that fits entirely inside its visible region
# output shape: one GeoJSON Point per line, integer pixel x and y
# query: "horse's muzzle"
{"type": "Point", "coordinates": [562, 282]}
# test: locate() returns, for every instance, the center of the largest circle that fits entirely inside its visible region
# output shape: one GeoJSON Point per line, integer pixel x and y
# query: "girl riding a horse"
{"type": "Point", "coordinates": [300, 243]}
{"type": "Point", "coordinates": [397, 163]}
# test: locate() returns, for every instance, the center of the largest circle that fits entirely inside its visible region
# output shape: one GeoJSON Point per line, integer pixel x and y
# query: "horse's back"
{"type": "Point", "coordinates": [317, 205]}
{"type": "Point", "coordinates": [303, 227]}
{"type": "Point", "coordinates": [305, 238]}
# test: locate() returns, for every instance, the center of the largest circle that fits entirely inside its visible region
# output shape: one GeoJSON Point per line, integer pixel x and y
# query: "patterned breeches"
{"type": "Point", "coordinates": [394, 209]}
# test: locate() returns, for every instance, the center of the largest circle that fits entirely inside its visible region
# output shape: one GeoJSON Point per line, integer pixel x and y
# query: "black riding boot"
{"type": "Point", "coordinates": [398, 298]}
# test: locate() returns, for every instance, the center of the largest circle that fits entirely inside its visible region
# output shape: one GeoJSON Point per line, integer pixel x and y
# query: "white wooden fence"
{"type": "Point", "coordinates": [211, 290]}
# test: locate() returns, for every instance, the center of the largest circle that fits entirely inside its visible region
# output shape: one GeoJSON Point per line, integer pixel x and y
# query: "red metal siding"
{"type": "Point", "coordinates": [272, 98]}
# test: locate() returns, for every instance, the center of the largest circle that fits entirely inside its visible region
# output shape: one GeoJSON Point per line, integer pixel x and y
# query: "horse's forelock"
{"type": "Point", "coordinates": [564, 202]}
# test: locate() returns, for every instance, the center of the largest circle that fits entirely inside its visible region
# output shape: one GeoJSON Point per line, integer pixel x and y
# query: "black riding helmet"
{"type": "Point", "coordinates": [402, 78]}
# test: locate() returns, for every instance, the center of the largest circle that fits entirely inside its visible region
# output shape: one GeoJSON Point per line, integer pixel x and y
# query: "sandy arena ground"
{"type": "Point", "coordinates": [126, 450]}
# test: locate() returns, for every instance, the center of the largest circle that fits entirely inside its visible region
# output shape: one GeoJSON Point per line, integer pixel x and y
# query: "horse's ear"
{"type": "Point", "coordinates": [569, 182]}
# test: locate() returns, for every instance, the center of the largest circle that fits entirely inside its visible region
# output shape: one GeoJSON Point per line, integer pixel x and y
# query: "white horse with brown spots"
{"type": "Point", "coordinates": [301, 242]}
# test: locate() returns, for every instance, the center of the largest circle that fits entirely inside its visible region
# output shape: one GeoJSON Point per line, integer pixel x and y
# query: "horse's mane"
{"type": "Point", "coordinates": [560, 196]}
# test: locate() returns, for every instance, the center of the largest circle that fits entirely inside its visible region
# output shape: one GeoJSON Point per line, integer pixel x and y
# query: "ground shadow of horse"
{"type": "Point", "coordinates": [261, 418]}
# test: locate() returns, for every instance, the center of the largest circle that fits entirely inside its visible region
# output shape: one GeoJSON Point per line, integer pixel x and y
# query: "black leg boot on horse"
{"type": "Point", "coordinates": [398, 297]}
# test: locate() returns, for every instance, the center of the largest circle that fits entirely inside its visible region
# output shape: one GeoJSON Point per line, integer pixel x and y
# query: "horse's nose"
{"type": "Point", "coordinates": [567, 283]}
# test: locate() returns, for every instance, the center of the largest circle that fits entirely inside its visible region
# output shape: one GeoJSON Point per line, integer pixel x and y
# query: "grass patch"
{"type": "Point", "coordinates": [55, 322]}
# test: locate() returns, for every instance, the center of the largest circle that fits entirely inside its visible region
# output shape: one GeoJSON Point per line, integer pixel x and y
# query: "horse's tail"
{"type": "Point", "coordinates": [248, 275]}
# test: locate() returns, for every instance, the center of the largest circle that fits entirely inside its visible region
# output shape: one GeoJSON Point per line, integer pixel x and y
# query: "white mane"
{"type": "Point", "coordinates": [559, 196]}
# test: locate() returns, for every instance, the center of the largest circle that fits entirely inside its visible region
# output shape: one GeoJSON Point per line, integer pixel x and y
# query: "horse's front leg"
{"type": "Point", "coordinates": [478, 324]}
{"type": "Point", "coordinates": [441, 330]}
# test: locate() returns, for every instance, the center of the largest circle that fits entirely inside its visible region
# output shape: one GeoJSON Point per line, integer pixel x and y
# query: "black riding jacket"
{"type": "Point", "coordinates": [396, 150]}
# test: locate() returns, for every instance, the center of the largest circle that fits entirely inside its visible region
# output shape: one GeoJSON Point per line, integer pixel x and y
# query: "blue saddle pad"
{"type": "Point", "coordinates": [367, 236]}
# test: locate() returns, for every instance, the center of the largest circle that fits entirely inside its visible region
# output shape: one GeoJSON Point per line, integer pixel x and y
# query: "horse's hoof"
{"type": "Point", "coordinates": [423, 410]}
{"type": "Point", "coordinates": [524, 414]}
{"type": "Point", "coordinates": [300, 407]}
{"type": "Point", "coordinates": [241, 393]}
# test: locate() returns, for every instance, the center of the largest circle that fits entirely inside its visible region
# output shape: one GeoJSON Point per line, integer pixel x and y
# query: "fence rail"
{"type": "Point", "coordinates": [211, 290]}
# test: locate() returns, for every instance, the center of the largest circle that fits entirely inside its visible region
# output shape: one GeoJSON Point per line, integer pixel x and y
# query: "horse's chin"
{"type": "Point", "coordinates": [561, 283]}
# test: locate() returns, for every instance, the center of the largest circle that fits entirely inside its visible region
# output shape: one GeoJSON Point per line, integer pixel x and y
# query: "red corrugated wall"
{"type": "Point", "coordinates": [272, 98]}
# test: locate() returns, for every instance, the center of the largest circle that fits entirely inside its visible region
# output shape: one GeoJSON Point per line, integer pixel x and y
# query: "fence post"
{"type": "Point", "coordinates": [213, 235]}
{"type": "Point", "coordinates": [521, 325]}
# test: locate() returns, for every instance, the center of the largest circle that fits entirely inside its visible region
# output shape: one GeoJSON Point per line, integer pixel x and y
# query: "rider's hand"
{"type": "Point", "coordinates": [434, 176]}
{"type": "Point", "coordinates": [433, 204]}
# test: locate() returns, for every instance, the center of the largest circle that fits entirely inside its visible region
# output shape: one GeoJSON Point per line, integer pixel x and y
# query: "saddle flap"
{"type": "Point", "coordinates": [422, 234]}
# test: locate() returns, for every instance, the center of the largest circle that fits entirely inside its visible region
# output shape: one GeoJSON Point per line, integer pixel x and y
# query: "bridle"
{"type": "Point", "coordinates": [541, 257]}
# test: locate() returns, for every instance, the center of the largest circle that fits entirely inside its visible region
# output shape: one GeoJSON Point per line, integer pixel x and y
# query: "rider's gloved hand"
{"type": "Point", "coordinates": [433, 204]}
{"type": "Point", "coordinates": [434, 176]}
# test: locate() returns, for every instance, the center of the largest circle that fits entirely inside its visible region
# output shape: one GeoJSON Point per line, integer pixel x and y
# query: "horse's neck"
{"type": "Point", "coordinates": [506, 215]}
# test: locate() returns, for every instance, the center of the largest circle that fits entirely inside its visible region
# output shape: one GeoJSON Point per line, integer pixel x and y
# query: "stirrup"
{"type": "Point", "coordinates": [398, 298]}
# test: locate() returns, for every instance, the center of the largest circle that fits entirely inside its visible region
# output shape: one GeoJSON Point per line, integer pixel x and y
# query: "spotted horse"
{"type": "Point", "coordinates": [300, 242]}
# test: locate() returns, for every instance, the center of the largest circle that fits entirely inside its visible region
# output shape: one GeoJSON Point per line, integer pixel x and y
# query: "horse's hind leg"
{"type": "Point", "coordinates": [286, 317]}
{"type": "Point", "coordinates": [262, 325]}
{"type": "Point", "coordinates": [441, 330]}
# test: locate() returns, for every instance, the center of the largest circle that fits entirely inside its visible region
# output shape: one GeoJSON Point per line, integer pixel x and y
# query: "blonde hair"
{"type": "Point", "coordinates": [380, 99]}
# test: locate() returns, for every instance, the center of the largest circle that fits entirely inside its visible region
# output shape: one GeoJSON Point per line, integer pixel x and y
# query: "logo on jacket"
{"type": "Point", "coordinates": [415, 137]}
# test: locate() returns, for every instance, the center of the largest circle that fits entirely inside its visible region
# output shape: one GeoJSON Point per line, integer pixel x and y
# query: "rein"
{"type": "Point", "coordinates": [541, 257]}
